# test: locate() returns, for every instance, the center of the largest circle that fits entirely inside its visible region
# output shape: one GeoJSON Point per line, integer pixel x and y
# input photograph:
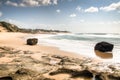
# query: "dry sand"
{"type": "Point", "coordinates": [18, 41]}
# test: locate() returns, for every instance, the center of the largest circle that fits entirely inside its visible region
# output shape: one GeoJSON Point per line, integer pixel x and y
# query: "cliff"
{"type": "Point", "coordinates": [8, 27]}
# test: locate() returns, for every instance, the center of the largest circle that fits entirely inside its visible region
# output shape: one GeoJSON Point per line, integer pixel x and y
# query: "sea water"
{"type": "Point", "coordinates": [82, 43]}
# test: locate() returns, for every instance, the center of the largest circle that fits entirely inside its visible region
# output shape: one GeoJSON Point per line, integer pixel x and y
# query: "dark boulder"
{"type": "Point", "coordinates": [32, 41]}
{"type": "Point", "coordinates": [6, 78]}
{"type": "Point", "coordinates": [25, 74]}
{"type": "Point", "coordinates": [111, 77]}
{"type": "Point", "coordinates": [98, 77]}
{"type": "Point", "coordinates": [104, 47]}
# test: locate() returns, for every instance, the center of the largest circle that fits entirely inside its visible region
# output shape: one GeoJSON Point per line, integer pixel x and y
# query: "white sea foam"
{"type": "Point", "coordinates": [84, 45]}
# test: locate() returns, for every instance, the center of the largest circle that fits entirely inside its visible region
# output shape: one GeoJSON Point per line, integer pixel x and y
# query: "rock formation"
{"type": "Point", "coordinates": [8, 27]}
{"type": "Point", "coordinates": [23, 66]}
{"type": "Point", "coordinates": [104, 47]}
{"type": "Point", "coordinates": [32, 41]}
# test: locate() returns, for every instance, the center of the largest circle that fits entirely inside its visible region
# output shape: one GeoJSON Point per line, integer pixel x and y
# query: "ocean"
{"type": "Point", "coordinates": [82, 43]}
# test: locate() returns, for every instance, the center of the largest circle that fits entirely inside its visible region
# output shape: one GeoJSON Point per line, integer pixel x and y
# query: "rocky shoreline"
{"type": "Point", "coordinates": [20, 65]}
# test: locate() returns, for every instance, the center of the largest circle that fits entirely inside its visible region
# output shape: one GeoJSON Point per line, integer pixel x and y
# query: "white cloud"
{"type": "Point", "coordinates": [1, 14]}
{"type": "Point", "coordinates": [11, 3]}
{"type": "Point", "coordinates": [73, 15]}
{"type": "Point", "coordinates": [58, 10]}
{"type": "Point", "coordinates": [29, 3]}
{"type": "Point", "coordinates": [32, 3]}
{"type": "Point", "coordinates": [92, 9]}
{"type": "Point", "coordinates": [78, 8]}
{"type": "Point", "coordinates": [55, 2]}
{"type": "Point", "coordinates": [111, 7]}
{"type": "Point", "coordinates": [116, 22]}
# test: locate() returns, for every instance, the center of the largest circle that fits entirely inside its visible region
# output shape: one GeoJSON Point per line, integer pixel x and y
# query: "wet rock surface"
{"type": "Point", "coordinates": [32, 41]}
{"type": "Point", "coordinates": [22, 66]}
{"type": "Point", "coordinates": [73, 73]}
{"type": "Point", "coordinates": [104, 47]}
{"type": "Point", "coordinates": [6, 78]}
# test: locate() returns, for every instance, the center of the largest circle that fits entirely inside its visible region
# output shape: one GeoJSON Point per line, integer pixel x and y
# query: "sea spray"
{"type": "Point", "coordinates": [82, 44]}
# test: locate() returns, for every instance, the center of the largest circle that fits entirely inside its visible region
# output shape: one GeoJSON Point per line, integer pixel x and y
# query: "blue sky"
{"type": "Point", "coordinates": [72, 15]}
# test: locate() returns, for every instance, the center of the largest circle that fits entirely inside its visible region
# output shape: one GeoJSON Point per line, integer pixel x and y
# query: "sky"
{"type": "Point", "coordinates": [78, 16]}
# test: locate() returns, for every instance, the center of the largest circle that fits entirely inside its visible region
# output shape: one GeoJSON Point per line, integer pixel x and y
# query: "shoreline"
{"type": "Point", "coordinates": [18, 41]}
{"type": "Point", "coordinates": [50, 62]}
{"type": "Point", "coordinates": [15, 40]}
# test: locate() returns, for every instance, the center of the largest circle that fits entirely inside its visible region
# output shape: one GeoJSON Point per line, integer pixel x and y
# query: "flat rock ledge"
{"type": "Point", "coordinates": [22, 66]}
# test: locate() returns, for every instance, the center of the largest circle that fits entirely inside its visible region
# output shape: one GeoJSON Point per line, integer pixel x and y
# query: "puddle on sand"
{"type": "Point", "coordinates": [104, 55]}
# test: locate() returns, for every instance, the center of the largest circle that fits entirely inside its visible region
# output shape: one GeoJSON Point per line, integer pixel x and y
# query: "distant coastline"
{"type": "Point", "coordinates": [43, 62]}
{"type": "Point", "coordinates": [8, 27]}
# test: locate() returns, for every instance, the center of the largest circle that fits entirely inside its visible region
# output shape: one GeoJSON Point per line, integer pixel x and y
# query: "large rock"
{"type": "Point", "coordinates": [6, 78]}
{"type": "Point", "coordinates": [32, 41]}
{"type": "Point", "coordinates": [104, 47]}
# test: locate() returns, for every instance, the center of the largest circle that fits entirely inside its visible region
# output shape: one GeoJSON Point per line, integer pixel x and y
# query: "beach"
{"type": "Point", "coordinates": [17, 41]}
{"type": "Point", "coordinates": [59, 39]}
{"type": "Point", "coordinates": [48, 62]}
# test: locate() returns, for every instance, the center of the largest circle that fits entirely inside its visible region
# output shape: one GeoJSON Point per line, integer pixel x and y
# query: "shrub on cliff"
{"type": "Point", "coordinates": [9, 27]}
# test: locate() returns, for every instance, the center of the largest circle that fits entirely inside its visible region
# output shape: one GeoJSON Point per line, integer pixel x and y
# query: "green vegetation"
{"type": "Point", "coordinates": [13, 28]}
{"type": "Point", "coordinates": [9, 27]}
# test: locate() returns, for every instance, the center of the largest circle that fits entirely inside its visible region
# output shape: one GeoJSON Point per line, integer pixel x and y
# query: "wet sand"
{"type": "Point", "coordinates": [104, 55]}
{"type": "Point", "coordinates": [17, 41]}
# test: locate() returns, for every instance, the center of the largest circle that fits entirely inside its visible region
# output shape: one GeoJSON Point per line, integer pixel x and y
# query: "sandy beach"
{"type": "Point", "coordinates": [59, 39]}
{"type": "Point", "coordinates": [17, 41]}
{"type": "Point", "coordinates": [47, 62]}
